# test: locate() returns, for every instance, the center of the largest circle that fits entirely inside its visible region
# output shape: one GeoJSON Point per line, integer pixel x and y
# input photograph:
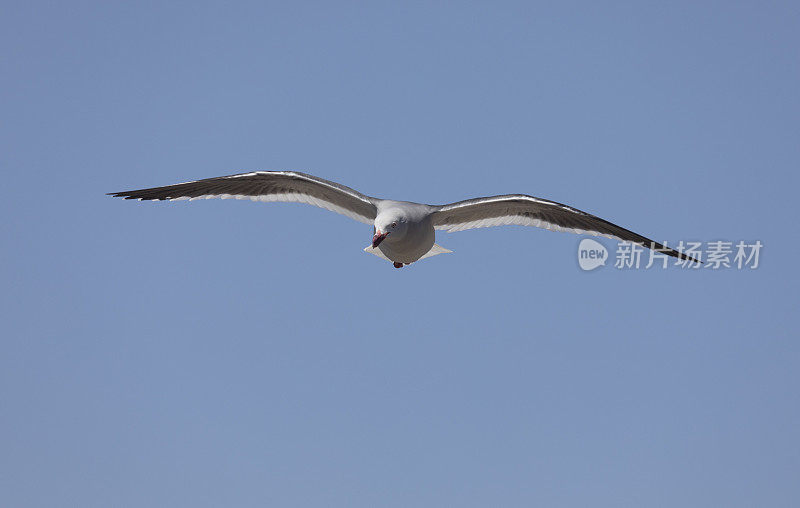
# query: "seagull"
{"type": "Point", "coordinates": [403, 232]}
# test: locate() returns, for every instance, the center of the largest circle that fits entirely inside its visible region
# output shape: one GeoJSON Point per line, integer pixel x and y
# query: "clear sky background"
{"type": "Point", "coordinates": [225, 353]}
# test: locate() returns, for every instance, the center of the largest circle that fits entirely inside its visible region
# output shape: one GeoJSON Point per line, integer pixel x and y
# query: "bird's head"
{"type": "Point", "coordinates": [389, 227]}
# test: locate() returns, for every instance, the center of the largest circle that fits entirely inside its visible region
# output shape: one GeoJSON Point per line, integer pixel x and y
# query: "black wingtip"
{"type": "Point", "coordinates": [123, 195]}
{"type": "Point", "coordinates": [680, 255]}
{"type": "Point", "coordinates": [138, 195]}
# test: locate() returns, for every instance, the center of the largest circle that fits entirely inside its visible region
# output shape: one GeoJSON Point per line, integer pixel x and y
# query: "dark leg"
{"type": "Point", "coordinates": [398, 265]}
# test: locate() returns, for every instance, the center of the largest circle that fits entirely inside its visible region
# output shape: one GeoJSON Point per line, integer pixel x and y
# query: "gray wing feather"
{"type": "Point", "coordinates": [290, 186]}
{"type": "Point", "coordinates": [523, 210]}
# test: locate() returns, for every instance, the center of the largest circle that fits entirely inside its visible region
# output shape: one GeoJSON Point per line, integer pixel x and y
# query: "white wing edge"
{"type": "Point", "coordinates": [516, 220]}
{"type": "Point", "coordinates": [289, 197]}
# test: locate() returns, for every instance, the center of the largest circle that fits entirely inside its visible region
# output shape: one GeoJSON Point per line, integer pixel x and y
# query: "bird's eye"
{"type": "Point", "coordinates": [394, 224]}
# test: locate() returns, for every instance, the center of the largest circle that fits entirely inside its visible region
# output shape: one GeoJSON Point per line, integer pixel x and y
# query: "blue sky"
{"type": "Point", "coordinates": [233, 353]}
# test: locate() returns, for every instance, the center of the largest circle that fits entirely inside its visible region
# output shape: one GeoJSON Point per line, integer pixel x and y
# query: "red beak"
{"type": "Point", "coordinates": [378, 238]}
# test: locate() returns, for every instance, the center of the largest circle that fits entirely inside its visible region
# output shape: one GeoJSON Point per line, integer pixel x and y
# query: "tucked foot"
{"type": "Point", "coordinates": [398, 265]}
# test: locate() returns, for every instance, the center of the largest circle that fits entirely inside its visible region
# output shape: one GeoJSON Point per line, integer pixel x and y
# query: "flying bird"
{"type": "Point", "coordinates": [403, 232]}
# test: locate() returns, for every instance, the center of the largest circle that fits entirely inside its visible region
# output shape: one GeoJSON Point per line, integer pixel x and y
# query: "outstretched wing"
{"type": "Point", "coordinates": [268, 186]}
{"type": "Point", "coordinates": [522, 210]}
